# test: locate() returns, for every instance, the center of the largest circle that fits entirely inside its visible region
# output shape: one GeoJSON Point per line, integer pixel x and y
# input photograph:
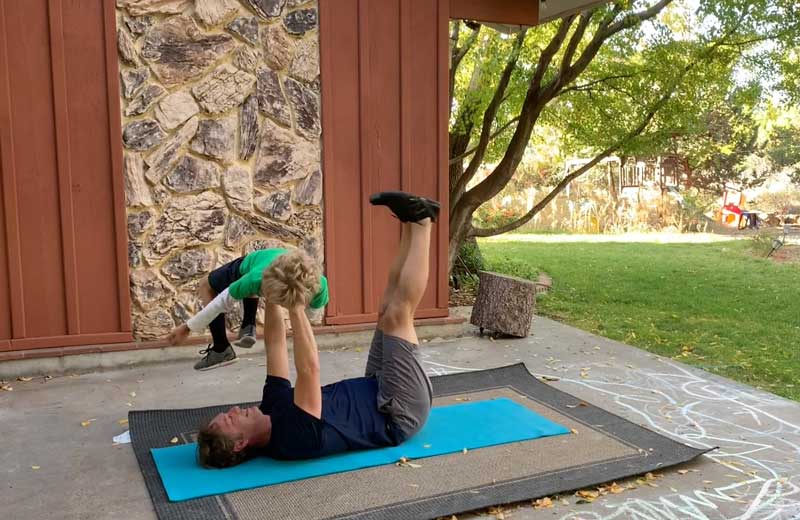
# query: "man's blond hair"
{"type": "Point", "coordinates": [291, 280]}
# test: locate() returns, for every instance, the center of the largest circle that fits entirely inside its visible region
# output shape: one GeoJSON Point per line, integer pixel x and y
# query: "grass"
{"type": "Point", "coordinates": [715, 306]}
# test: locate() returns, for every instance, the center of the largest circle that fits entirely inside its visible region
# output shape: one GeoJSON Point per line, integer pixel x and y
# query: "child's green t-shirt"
{"type": "Point", "coordinates": [252, 268]}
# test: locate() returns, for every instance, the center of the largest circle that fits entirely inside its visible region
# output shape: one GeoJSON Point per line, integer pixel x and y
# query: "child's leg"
{"type": "Point", "coordinates": [217, 326]}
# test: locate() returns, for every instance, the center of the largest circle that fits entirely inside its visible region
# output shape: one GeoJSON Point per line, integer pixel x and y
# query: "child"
{"type": "Point", "coordinates": [236, 280]}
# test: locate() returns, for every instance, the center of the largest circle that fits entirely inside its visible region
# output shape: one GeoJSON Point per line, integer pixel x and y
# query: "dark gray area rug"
{"type": "Point", "coordinates": [603, 447]}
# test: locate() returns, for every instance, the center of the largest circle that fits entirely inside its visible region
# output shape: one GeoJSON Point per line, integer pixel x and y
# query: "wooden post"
{"type": "Point", "coordinates": [504, 304]}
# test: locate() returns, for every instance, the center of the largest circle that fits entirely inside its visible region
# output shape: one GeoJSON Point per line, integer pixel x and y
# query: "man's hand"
{"type": "Point", "coordinates": [178, 335]}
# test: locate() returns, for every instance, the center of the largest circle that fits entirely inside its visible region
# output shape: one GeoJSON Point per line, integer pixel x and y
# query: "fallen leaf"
{"type": "Point", "coordinates": [358, 349]}
{"type": "Point", "coordinates": [6, 388]}
{"type": "Point", "coordinates": [543, 503]}
{"type": "Point", "coordinates": [683, 471]}
{"type": "Point", "coordinates": [564, 502]}
{"type": "Point", "coordinates": [24, 379]}
{"type": "Point", "coordinates": [87, 422]}
{"type": "Point", "coordinates": [48, 378]}
{"type": "Point", "coordinates": [491, 339]}
{"type": "Point", "coordinates": [132, 394]}
{"type": "Point", "coordinates": [587, 494]}
{"type": "Point", "coordinates": [36, 467]}
{"type": "Point", "coordinates": [173, 440]}
{"type": "Point", "coordinates": [129, 404]}
{"type": "Point", "coordinates": [573, 430]}
{"type": "Point", "coordinates": [708, 482]}
{"type": "Point", "coordinates": [649, 476]}
{"type": "Point", "coordinates": [616, 489]}
{"type": "Point", "coordinates": [652, 484]}
{"type": "Point", "coordinates": [122, 421]}
{"type": "Point", "coordinates": [549, 378]}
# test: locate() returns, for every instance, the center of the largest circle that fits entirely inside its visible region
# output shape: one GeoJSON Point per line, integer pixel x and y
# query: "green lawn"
{"type": "Point", "coordinates": [713, 305]}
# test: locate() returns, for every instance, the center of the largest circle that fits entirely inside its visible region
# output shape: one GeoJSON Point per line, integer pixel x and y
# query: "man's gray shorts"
{"type": "Point", "coordinates": [405, 392]}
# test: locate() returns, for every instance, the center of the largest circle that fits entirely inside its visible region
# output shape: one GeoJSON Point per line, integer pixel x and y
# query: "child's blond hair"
{"type": "Point", "coordinates": [292, 279]}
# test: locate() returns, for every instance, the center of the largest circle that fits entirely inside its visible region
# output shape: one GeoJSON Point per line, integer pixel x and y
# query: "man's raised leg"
{"type": "Point", "coordinates": [397, 318]}
{"type": "Point", "coordinates": [375, 357]}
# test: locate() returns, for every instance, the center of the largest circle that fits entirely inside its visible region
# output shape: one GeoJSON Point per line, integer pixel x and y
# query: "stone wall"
{"type": "Point", "coordinates": [221, 136]}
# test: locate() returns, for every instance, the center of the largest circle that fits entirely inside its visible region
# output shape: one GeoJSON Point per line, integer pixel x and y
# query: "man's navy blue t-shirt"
{"type": "Point", "coordinates": [350, 420]}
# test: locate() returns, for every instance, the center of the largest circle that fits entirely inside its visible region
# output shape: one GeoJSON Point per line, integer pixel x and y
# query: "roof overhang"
{"type": "Point", "coordinates": [513, 15]}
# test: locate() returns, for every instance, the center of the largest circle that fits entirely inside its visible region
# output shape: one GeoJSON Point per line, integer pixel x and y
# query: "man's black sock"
{"type": "Point", "coordinates": [217, 327]}
{"type": "Point", "coordinates": [250, 309]}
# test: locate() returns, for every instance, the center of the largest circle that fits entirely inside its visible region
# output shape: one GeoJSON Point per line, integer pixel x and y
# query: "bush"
{"type": "Point", "coordinates": [514, 267]}
{"type": "Point", "coordinates": [469, 262]}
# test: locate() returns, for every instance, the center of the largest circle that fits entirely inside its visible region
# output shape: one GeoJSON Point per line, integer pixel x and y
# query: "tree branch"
{"type": "Point", "coordinates": [488, 119]}
{"type": "Point", "coordinates": [458, 53]}
{"type": "Point", "coordinates": [495, 134]}
{"type": "Point", "coordinates": [577, 36]}
{"type": "Point", "coordinates": [587, 86]}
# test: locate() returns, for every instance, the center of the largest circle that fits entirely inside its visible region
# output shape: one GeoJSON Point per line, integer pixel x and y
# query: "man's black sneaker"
{"type": "Point", "coordinates": [406, 206]}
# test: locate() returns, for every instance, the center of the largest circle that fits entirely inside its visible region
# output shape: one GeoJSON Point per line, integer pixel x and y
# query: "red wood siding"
{"type": "Point", "coordinates": [384, 120]}
{"type": "Point", "coordinates": [63, 245]}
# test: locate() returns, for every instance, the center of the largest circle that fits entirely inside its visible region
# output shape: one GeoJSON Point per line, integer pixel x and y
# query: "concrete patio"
{"type": "Point", "coordinates": [51, 466]}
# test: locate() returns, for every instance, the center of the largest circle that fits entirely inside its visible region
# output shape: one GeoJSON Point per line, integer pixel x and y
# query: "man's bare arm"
{"type": "Point", "coordinates": [307, 389]}
{"type": "Point", "coordinates": [275, 342]}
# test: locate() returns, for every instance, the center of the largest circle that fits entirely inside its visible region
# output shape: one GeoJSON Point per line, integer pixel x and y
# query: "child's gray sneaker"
{"type": "Point", "coordinates": [247, 337]}
{"type": "Point", "coordinates": [215, 359]}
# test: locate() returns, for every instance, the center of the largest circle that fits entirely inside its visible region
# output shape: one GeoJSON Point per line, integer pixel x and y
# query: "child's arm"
{"type": "Point", "coordinates": [200, 321]}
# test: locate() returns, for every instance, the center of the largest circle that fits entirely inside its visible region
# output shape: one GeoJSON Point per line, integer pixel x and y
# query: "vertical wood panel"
{"type": "Point", "coordinates": [5, 302]}
{"type": "Point", "coordinates": [443, 156]}
{"type": "Point", "coordinates": [420, 119]}
{"type": "Point", "coordinates": [12, 263]}
{"type": "Point", "coordinates": [64, 161]}
{"type": "Point", "coordinates": [34, 145]}
{"type": "Point", "coordinates": [114, 121]}
{"type": "Point", "coordinates": [398, 110]}
{"type": "Point", "coordinates": [380, 141]}
{"type": "Point", "coordinates": [339, 69]}
{"type": "Point", "coordinates": [91, 187]}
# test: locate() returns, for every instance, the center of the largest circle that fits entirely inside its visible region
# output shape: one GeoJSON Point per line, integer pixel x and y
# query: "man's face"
{"type": "Point", "coordinates": [238, 424]}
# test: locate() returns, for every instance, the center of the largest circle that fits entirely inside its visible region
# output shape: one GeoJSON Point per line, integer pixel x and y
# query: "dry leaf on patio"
{"type": "Point", "coordinates": [6, 388]}
{"type": "Point", "coordinates": [404, 463]}
{"type": "Point", "coordinates": [683, 471]}
{"type": "Point", "coordinates": [497, 512]}
{"type": "Point", "coordinates": [616, 489]}
{"type": "Point", "coordinates": [87, 422]}
{"type": "Point", "coordinates": [122, 421]}
{"type": "Point", "coordinates": [24, 379]}
{"type": "Point", "coordinates": [573, 430]}
{"type": "Point", "coordinates": [173, 440]}
{"type": "Point", "coordinates": [36, 467]}
{"type": "Point", "coordinates": [549, 378]}
{"type": "Point", "coordinates": [587, 494]}
{"type": "Point", "coordinates": [543, 503]}
{"type": "Point", "coordinates": [132, 394]}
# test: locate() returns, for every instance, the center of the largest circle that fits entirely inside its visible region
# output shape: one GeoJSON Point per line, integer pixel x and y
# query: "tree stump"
{"type": "Point", "coordinates": [504, 304]}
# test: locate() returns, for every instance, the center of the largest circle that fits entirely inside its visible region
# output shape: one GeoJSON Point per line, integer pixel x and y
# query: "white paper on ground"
{"type": "Point", "coordinates": [123, 438]}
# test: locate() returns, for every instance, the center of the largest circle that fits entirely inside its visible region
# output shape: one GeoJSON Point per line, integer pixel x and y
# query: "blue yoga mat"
{"type": "Point", "coordinates": [449, 429]}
